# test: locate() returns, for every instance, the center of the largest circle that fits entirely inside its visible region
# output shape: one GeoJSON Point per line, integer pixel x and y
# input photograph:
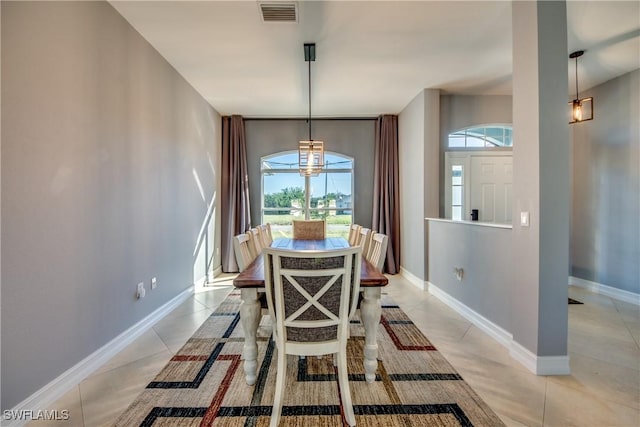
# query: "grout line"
{"type": "Point", "coordinates": [81, 404]}
{"type": "Point", "coordinates": [544, 402]}
{"type": "Point", "coordinates": [467, 331]}
{"type": "Point", "coordinates": [624, 322]}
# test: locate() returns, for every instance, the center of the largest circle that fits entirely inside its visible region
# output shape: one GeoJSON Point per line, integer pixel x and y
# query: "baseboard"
{"type": "Point", "coordinates": [217, 271]}
{"type": "Point", "coordinates": [413, 279]}
{"type": "Point", "coordinates": [611, 292]}
{"type": "Point", "coordinates": [539, 365]}
{"type": "Point", "coordinates": [496, 332]}
{"type": "Point", "coordinates": [54, 390]}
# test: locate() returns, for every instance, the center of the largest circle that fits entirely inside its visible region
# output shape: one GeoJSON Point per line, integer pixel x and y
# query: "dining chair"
{"type": "Point", "coordinates": [265, 235]}
{"type": "Point", "coordinates": [255, 243]}
{"type": "Point", "coordinates": [243, 252]}
{"type": "Point", "coordinates": [354, 231]}
{"type": "Point", "coordinates": [309, 230]}
{"type": "Point", "coordinates": [364, 239]}
{"type": "Point", "coordinates": [310, 296]}
{"type": "Point", "coordinates": [378, 250]}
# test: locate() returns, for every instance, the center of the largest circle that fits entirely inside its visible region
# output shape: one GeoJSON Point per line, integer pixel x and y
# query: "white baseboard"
{"type": "Point", "coordinates": [413, 279]}
{"type": "Point", "coordinates": [57, 388]}
{"type": "Point", "coordinates": [539, 365]}
{"type": "Point", "coordinates": [217, 271]}
{"type": "Point", "coordinates": [496, 332]}
{"type": "Point", "coordinates": [611, 292]}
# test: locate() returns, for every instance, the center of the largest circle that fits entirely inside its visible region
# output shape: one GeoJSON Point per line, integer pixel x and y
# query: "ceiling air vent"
{"type": "Point", "coordinates": [279, 11]}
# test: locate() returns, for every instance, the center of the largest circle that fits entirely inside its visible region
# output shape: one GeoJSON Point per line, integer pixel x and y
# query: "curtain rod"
{"type": "Point", "coordinates": [306, 118]}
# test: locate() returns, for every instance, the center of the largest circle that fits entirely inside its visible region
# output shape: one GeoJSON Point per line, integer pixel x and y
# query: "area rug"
{"type": "Point", "coordinates": [204, 383]}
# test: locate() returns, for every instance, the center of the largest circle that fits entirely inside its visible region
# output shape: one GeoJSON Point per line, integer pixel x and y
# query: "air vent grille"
{"type": "Point", "coordinates": [279, 12]}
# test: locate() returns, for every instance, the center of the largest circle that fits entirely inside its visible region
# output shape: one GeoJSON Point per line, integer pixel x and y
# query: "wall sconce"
{"type": "Point", "coordinates": [310, 153]}
{"type": "Point", "coordinates": [581, 108]}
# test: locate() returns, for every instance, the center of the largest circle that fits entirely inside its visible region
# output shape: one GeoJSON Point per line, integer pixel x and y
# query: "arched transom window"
{"type": "Point", "coordinates": [489, 136]}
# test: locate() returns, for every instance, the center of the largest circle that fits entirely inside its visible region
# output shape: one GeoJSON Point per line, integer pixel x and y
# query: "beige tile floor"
{"type": "Point", "coordinates": [602, 390]}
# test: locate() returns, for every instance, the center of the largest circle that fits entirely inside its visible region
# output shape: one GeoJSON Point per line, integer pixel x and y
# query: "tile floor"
{"type": "Point", "coordinates": [604, 347]}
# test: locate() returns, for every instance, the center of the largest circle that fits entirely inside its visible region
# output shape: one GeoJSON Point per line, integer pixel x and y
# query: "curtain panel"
{"type": "Point", "coordinates": [236, 212]}
{"type": "Point", "coordinates": [386, 189]}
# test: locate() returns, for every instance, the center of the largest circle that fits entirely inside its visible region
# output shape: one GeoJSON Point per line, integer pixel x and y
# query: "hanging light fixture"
{"type": "Point", "coordinates": [310, 153]}
{"type": "Point", "coordinates": [581, 109]}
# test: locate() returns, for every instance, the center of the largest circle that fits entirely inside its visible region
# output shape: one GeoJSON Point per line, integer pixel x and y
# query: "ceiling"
{"type": "Point", "coordinates": [372, 57]}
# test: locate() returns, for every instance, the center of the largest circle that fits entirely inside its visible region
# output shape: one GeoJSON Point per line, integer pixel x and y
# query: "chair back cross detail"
{"type": "Point", "coordinates": [310, 295]}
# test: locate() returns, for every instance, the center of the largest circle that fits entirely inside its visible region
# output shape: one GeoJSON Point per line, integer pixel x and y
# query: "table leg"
{"type": "Point", "coordinates": [250, 318]}
{"type": "Point", "coordinates": [370, 310]}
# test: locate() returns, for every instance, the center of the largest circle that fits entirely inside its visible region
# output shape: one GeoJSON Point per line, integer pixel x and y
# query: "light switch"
{"type": "Point", "coordinates": [524, 219]}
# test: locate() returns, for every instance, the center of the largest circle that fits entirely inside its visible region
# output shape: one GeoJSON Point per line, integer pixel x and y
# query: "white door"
{"type": "Point", "coordinates": [491, 186]}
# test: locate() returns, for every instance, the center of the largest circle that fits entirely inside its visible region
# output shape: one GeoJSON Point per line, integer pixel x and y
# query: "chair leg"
{"type": "Point", "coordinates": [281, 376]}
{"type": "Point", "coordinates": [345, 391]}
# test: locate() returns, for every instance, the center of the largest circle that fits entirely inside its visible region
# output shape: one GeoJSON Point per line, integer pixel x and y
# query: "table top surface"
{"type": "Point", "coordinates": [253, 276]}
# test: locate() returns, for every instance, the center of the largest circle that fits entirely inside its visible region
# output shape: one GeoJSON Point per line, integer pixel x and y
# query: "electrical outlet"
{"type": "Point", "coordinates": [154, 283]}
{"type": "Point", "coordinates": [141, 292]}
{"type": "Point", "coordinates": [217, 251]}
{"type": "Point", "coordinates": [459, 272]}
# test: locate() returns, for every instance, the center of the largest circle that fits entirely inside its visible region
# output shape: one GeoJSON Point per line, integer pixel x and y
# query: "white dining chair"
{"type": "Point", "coordinates": [310, 295]}
{"type": "Point", "coordinates": [256, 241]}
{"type": "Point", "coordinates": [244, 254]}
{"type": "Point", "coordinates": [378, 250]}
{"type": "Point", "coordinates": [265, 235]}
{"type": "Point", "coordinates": [354, 231]}
{"type": "Point", "coordinates": [364, 239]}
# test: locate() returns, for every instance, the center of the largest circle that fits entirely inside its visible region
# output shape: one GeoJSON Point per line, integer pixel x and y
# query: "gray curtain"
{"type": "Point", "coordinates": [236, 212]}
{"type": "Point", "coordinates": [386, 189]}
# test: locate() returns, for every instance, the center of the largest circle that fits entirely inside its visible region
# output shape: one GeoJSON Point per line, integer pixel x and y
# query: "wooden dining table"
{"type": "Point", "coordinates": [251, 285]}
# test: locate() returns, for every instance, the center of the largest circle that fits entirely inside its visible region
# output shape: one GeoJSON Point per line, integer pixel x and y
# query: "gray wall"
{"type": "Point", "coordinates": [354, 138]}
{"type": "Point", "coordinates": [462, 111]}
{"type": "Point", "coordinates": [605, 225]}
{"type": "Point", "coordinates": [411, 149]}
{"type": "Point", "coordinates": [484, 253]}
{"type": "Point", "coordinates": [423, 138]}
{"type": "Point", "coordinates": [101, 144]}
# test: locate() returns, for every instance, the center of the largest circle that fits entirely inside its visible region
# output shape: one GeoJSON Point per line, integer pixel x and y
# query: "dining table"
{"type": "Point", "coordinates": [251, 284]}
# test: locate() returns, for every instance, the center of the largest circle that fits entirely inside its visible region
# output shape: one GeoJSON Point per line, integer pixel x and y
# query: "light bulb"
{"type": "Point", "coordinates": [577, 110]}
{"type": "Point", "coordinates": [310, 161]}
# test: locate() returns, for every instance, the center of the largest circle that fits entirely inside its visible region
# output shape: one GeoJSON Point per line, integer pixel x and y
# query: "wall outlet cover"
{"type": "Point", "coordinates": [141, 292]}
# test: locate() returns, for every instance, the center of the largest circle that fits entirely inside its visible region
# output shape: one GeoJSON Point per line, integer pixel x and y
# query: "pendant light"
{"type": "Point", "coordinates": [581, 109]}
{"type": "Point", "coordinates": [310, 152]}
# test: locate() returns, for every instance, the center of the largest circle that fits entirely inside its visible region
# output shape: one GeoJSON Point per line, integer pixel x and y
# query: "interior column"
{"type": "Point", "coordinates": [541, 186]}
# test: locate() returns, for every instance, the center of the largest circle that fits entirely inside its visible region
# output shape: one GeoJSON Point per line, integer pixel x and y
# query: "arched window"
{"type": "Point", "coordinates": [284, 199]}
{"type": "Point", "coordinates": [489, 136]}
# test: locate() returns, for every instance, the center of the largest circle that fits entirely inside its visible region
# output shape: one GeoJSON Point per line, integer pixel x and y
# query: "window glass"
{"type": "Point", "coordinates": [330, 193]}
{"type": "Point", "coordinates": [456, 192]}
{"type": "Point", "coordinates": [479, 137]}
{"type": "Point", "coordinates": [456, 140]}
{"type": "Point", "coordinates": [475, 141]}
{"type": "Point", "coordinates": [456, 213]}
{"type": "Point", "coordinates": [508, 137]}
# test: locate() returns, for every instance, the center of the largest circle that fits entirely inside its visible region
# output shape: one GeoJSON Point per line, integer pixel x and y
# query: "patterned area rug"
{"type": "Point", "coordinates": [204, 385]}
